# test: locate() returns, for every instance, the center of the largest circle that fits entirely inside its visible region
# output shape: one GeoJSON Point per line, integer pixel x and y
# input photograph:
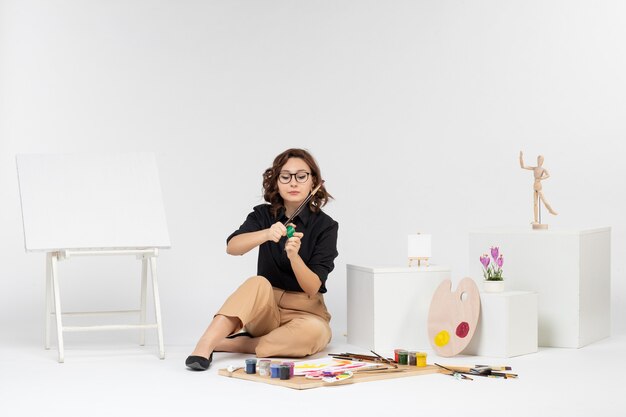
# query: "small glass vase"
{"type": "Point", "coordinates": [493, 286]}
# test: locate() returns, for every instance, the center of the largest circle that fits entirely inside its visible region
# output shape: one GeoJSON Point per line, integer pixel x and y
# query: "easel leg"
{"type": "Point", "coordinates": [48, 299]}
{"type": "Point", "coordinates": [57, 305]}
{"type": "Point", "coordinates": [144, 287]}
{"type": "Point", "coordinates": [157, 305]}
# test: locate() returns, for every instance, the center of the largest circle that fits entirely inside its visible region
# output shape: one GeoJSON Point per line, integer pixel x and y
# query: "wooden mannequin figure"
{"type": "Point", "coordinates": [540, 173]}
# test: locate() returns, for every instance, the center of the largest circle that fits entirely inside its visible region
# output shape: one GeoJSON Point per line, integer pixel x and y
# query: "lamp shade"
{"type": "Point", "coordinates": [419, 246]}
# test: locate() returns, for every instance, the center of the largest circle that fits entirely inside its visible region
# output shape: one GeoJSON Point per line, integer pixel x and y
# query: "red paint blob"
{"type": "Point", "coordinates": [462, 329]}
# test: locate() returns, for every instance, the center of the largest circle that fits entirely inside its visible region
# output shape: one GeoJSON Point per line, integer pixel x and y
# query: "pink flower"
{"type": "Point", "coordinates": [485, 260]}
{"type": "Point", "coordinates": [492, 266]}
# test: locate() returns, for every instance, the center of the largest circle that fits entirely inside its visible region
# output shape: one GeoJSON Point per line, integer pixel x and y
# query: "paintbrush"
{"type": "Point", "coordinates": [356, 356]}
{"type": "Point", "coordinates": [495, 368]}
{"type": "Point", "coordinates": [385, 360]}
{"type": "Point", "coordinates": [479, 371]}
{"type": "Point", "coordinates": [454, 373]}
{"type": "Point", "coordinates": [353, 357]}
{"type": "Point", "coordinates": [379, 370]}
{"type": "Point", "coordinates": [290, 229]}
{"type": "Point", "coordinates": [345, 358]}
{"type": "Point", "coordinates": [504, 375]}
{"type": "Point", "coordinates": [377, 358]}
{"type": "Point", "coordinates": [471, 370]}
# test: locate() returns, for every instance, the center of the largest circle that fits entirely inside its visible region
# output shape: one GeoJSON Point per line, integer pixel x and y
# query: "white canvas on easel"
{"type": "Point", "coordinates": [91, 201]}
{"type": "Point", "coordinates": [91, 205]}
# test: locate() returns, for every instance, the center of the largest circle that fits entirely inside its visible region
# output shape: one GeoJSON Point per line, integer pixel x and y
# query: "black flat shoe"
{"type": "Point", "coordinates": [232, 336]}
{"type": "Point", "coordinates": [199, 363]}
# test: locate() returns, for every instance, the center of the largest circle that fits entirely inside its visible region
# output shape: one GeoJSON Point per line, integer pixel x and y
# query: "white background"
{"type": "Point", "coordinates": [415, 110]}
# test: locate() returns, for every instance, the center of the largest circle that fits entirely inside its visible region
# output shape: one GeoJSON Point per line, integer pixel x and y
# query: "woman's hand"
{"type": "Point", "coordinates": [293, 245]}
{"type": "Point", "coordinates": [276, 231]}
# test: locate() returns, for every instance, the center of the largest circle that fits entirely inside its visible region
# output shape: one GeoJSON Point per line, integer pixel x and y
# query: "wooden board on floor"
{"type": "Point", "coordinates": [300, 382]}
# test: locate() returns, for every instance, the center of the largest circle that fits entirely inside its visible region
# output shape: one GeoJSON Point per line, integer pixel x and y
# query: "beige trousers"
{"type": "Point", "coordinates": [289, 324]}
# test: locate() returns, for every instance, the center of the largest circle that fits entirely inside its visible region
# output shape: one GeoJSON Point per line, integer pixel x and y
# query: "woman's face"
{"type": "Point", "coordinates": [295, 181]}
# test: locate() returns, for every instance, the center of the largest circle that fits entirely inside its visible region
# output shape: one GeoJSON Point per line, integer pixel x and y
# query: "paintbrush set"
{"type": "Point", "coordinates": [464, 372]}
{"type": "Point", "coordinates": [367, 358]}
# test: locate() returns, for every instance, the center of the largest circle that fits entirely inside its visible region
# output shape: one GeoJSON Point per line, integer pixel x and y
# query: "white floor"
{"type": "Point", "coordinates": [115, 380]}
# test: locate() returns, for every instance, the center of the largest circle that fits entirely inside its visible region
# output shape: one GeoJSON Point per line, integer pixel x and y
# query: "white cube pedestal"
{"type": "Point", "coordinates": [388, 307]}
{"type": "Point", "coordinates": [507, 326]}
{"type": "Point", "coordinates": [571, 272]}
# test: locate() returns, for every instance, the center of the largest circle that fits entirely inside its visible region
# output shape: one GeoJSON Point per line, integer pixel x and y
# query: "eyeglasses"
{"type": "Point", "coordinates": [285, 177]}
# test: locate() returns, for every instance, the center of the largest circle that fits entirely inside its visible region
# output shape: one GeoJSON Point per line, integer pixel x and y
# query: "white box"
{"type": "Point", "coordinates": [571, 272]}
{"type": "Point", "coordinates": [388, 307]}
{"type": "Point", "coordinates": [507, 325]}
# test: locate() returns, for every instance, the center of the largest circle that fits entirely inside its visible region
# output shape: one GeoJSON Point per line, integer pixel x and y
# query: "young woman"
{"type": "Point", "coordinates": [281, 310]}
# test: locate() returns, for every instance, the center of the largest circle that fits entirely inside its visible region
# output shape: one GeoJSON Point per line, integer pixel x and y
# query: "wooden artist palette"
{"type": "Point", "coordinates": [453, 317]}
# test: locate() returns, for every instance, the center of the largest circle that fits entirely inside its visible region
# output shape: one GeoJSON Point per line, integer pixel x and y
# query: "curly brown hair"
{"type": "Point", "coordinates": [270, 181]}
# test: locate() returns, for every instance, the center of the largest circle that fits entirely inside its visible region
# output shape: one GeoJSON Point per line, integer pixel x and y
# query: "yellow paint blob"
{"type": "Point", "coordinates": [442, 338]}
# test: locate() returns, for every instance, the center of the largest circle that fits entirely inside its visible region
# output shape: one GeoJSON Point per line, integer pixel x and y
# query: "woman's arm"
{"type": "Point", "coordinates": [245, 242]}
{"type": "Point", "coordinates": [308, 280]}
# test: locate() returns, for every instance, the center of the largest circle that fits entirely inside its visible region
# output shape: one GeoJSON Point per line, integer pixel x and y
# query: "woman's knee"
{"type": "Point", "coordinates": [257, 281]}
{"type": "Point", "coordinates": [256, 285]}
{"type": "Point", "coordinates": [318, 330]}
{"type": "Point", "coordinates": [298, 338]}
{"type": "Point", "coordinates": [313, 336]}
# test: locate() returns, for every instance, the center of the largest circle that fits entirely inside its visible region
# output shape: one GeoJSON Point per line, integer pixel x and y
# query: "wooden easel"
{"type": "Point", "coordinates": [53, 297]}
{"type": "Point", "coordinates": [94, 205]}
{"type": "Point", "coordinates": [419, 261]}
